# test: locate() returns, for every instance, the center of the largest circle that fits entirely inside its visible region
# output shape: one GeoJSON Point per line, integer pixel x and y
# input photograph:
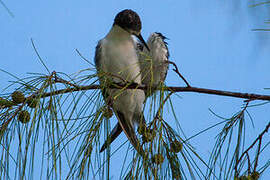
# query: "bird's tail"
{"type": "Point", "coordinates": [117, 130]}
{"type": "Point", "coordinates": [128, 128]}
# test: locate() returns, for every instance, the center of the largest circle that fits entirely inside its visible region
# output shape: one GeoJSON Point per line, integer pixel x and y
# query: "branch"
{"type": "Point", "coordinates": [179, 74]}
{"type": "Point", "coordinates": [249, 96]}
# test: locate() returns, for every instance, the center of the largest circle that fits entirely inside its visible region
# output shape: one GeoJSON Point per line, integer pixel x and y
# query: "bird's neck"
{"type": "Point", "coordinates": [118, 33]}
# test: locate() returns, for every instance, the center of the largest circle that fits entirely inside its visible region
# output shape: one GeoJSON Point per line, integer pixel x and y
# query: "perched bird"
{"type": "Point", "coordinates": [154, 67]}
{"type": "Point", "coordinates": [117, 61]}
{"type": "Point", "coordinates": [154, 63]}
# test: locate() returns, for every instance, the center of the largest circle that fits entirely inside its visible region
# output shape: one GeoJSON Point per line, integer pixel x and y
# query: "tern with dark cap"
{"type": "Point", "coordinates": [117, 61]}
{"type": "Point", "coordinates": [154, 66]}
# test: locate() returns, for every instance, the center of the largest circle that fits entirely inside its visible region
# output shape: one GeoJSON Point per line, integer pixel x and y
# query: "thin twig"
{"type": "Point", "coordinates": [259, 138]}
{"type": "Point", "coordinates": [160, 108]}
{"type": "Point", "coordinates": [179, 74]}
{"type": "Point", "coordinates": [60, 80]}
{"type": "Point", "coordinates": [7, 9]}
{"type": "Point", "coordinates": [257, 157]}
{"type": "Point", "coordinates": [84, 58]}
{"type": "Point", "coordinates": [39, 57]}
{"type": "Point", "coordinates": [5, 124]}
{"type": "Point", "coordinates": [249, 164]}
{"type": "Point", "coordinates": [162, 104]}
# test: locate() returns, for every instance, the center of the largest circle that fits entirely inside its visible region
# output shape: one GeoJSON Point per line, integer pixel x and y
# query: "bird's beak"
{"type": "Point", "coordinates": [142, 40]}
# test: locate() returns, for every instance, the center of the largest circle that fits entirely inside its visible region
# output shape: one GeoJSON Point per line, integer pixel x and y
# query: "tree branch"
{"type": "Point", "coordinates": [249, 96]}
{"type": "Point", "coordinates": [179, 74]}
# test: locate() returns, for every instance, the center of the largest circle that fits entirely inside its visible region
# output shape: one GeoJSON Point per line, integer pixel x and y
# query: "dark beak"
{"type": "Point", "coordinates": [142, 40]}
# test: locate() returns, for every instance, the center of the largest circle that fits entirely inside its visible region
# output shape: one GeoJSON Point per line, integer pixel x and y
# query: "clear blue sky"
{"type": "Point", "coordinates": [212, 43]}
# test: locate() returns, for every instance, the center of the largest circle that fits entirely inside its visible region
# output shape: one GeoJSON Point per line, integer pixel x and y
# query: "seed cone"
{"type": "Point", "coordinates": [32, 103]}
{"type": "Point", "coordinates": [24, 116]}
{"type": "Point", "coordinates": [108, 113]}
{"type": "Point", "coordinates": [158, 159]}
{"type": "Point", "coordinates": [17, 97]}
{"type": "Point", "coordinates": [176, 146]}
{"type": "Point", "coordinates": [148, 135]}
{"type": "Point", "coordinates": [4, 103]}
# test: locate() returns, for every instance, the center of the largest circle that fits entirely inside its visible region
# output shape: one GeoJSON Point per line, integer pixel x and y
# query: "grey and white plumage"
{"type": "Point", "coordinates": [154, 67]}
{"type": "Point", "coordinates": [116, 60]}
{"type": "Point", "coordinates": [154, 63]}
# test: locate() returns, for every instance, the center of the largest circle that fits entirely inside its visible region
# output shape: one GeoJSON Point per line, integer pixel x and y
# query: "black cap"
{"type": "Point", "coordinates": [128, 20]}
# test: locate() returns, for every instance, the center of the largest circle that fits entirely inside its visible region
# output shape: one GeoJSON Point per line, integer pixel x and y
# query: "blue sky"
{"type": "Point", "coordinates": [212, 43]}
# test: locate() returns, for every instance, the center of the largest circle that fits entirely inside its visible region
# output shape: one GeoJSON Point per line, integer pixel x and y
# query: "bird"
{"type": "Point", "coordinates": [154, 66]}
{"type": "Point", "coordinates": [117, 61]}
{"type": "Point", "coordinates": [154, 63]}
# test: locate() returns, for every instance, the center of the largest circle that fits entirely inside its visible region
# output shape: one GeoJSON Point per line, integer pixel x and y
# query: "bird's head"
{"type": "Point", "coordinates": [130, 22]}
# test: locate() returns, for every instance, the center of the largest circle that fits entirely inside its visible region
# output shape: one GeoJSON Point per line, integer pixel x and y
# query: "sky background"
{"type": "Point", "coordinates": [211, 41]}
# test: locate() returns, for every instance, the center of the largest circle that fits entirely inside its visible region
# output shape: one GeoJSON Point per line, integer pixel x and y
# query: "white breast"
{"type": "Point", "coordinates": [119, 57]}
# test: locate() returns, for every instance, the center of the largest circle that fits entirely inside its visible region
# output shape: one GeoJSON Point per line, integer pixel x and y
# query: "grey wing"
{"type": "Point", "coordinates": [97, 59]}
{"type": "Point", "coordinates": [98, 55]}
